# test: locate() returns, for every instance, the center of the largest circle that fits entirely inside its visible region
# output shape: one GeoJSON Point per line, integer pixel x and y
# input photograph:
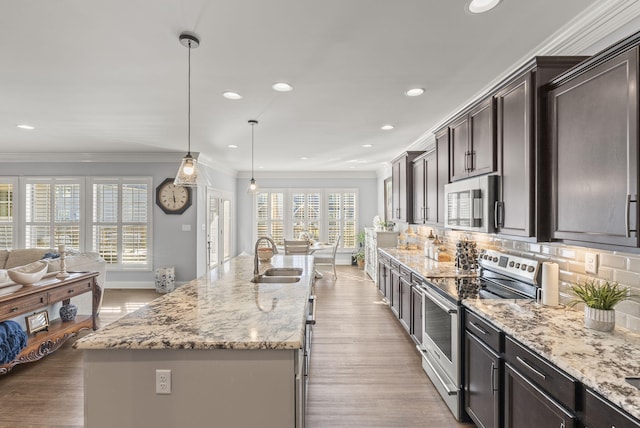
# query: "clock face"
{"type": "Point", "coordinates": [171, 198]}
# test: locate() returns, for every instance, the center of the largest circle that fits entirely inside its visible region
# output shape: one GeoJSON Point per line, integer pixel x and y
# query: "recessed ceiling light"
{"type": "Point", "coordinates": [282, 87]}
{"type": "Point", "coordinates": [304, 158]}
{"type": "Point", "coordinates": [25, 126]}
{"type": "Point", "coordinates": [387, 127]}
{"type": "Point", "coordinates": [367, 145]}
{"type": "Point", "coordinates": [480, 6]}
{"type": "Point", "coordinates": [414, 92]}
{"type": "Point", "coordinates": [232, 146]}
{"type": "Point", "coordinates": [232, 95]}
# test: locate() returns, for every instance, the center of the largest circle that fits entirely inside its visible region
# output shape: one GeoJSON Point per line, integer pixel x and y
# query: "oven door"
{"type": "Point", "coordinates": [440, 347]}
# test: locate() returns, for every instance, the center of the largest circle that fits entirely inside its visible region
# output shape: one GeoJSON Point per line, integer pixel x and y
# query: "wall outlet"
{"type": "Point", "coordinates": [163, 381]}
{"type": "Point", "coordinates": [591, 263]}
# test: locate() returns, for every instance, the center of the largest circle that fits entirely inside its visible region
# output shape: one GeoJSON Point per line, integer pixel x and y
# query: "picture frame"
{"type": "Point", "coordinates": [37, 322]}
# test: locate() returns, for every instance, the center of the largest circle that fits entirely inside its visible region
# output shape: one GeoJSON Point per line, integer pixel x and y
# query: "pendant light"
{"type": "Point", "coordinates": [252, 184]}
{"type": "Point", "coordinates": [188, 172]}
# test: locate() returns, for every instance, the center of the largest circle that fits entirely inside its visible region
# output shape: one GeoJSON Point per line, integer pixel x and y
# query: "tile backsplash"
{"type": "Point", "coordinates": [616, 266]}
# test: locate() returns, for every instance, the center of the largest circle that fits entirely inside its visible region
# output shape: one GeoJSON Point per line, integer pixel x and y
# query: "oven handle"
{"type": "Point", "coordinates": [443, 306]}
{"type": "Point", "coordinates": [433, 369]}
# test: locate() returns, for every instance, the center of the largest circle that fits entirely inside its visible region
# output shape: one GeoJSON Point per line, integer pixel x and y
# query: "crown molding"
{"type": "Point", "coordinates": [589, 27]}
{"type": "Point", "coordinates": [308, 174]}
{"type": "Point", "coordinates": [133, 157]}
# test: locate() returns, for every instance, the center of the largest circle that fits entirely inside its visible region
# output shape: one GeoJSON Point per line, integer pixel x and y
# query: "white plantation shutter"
{"type": "Point", "coordinates": [6, 214]}
{"type": "Point", "coordinates": [270, 215]}
{"type": "Point", "coordinates": [323, 213]}
{"type": "Point", "coordinates": [53, 214]}
{"type": "Point", "coordinates": [121, 221]}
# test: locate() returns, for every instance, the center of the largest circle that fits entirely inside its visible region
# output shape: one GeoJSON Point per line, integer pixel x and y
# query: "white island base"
{"type": "Point", "coordinates": [209, 388]}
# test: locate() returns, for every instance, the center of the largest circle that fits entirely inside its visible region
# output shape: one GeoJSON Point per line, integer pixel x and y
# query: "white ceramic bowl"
{"type": "Point", "coordinates": [28, 274]}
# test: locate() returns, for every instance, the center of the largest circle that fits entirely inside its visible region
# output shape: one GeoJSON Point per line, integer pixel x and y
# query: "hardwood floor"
{"type": "Point", "coordinates": [364, 370]}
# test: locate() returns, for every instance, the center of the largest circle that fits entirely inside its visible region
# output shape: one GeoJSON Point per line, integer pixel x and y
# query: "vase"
{"type": "Point", "coordinates": [599, 319]}
{"type": "Point", "coordinates": [68, 312]}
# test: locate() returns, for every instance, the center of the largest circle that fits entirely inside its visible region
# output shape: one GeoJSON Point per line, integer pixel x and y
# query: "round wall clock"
{"type": "Point", "coordinates": [171, 198]}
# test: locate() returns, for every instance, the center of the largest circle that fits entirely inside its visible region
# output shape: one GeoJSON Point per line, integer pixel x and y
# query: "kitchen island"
{"type": "Point", "coordinates": [234, 348]}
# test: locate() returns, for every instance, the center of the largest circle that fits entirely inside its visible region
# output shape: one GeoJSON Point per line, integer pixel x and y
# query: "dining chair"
{"type": "Point", "coordinates": [329, 259]}
{"type": "Point", "coordinates": [296, 247]}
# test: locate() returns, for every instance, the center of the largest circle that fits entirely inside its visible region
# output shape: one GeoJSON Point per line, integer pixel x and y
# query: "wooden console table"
{"type": "Point", "coordinates": [32, 298]}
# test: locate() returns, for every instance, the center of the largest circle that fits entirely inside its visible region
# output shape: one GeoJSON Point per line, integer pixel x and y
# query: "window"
{"type": "Point", "coordinates": [7, 207]}
{"type": "Point", "coordinates": [121, 219]}
{"type": "Point", "coordinates": [324, 213]}
{"type": "Point", "coordinates": [52, 213]}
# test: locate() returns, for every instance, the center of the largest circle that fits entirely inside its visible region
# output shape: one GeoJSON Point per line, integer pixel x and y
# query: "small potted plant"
{"type": "Point", "coordinates": [599, 298]}
{"type": "Point", "coordinates": [360, 259]}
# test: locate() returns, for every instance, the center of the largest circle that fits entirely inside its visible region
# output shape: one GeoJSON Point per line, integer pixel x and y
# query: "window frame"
{"type": "Point", "coordinates": [120, 181]}
{"type": "Point", "coordinates": [15, 222]}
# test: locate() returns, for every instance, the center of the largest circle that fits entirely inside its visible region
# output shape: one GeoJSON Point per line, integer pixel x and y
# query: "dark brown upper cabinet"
{"type": "Point", "coordinates": [442, 154]}
{"type": "Point", "coordinates": [402, 182]}
{"type": "Point", "coordinates": [425, 188]}
{"type": "Point", "coordinates": [521, 128]}
{"type": "Point", "coordinates": [472, 144]}
{"type": "Point", "coordinates": [594, 149]}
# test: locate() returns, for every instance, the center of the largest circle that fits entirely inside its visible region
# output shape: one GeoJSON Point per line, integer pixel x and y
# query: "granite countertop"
{"type": "Point", "coordinates": [441, 275]}
{"type": "Point", "coordinates": [599, 360]}
{"type": "Point", "coordinates": [222, 310]}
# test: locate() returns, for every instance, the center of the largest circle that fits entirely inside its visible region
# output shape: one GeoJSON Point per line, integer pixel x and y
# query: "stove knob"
{"type": "Point", "coordinates": [517, 265]}
{"type": "Point", "coordinates": [530, 269]}
{"type": "Point", "coordinates": [495, 259]}
{"type": "Point", "coordinates": [511, 264]}
{"type": "Point", "coordinates": [523, 267]}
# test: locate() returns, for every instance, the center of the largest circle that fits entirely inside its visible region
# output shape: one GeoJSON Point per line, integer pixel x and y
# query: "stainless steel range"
{"type": "Point", "coordinates": [501, 276]}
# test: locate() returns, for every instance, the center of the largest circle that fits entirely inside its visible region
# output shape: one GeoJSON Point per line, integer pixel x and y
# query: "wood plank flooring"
{"type": "Point", "coordinates": [364, 371]}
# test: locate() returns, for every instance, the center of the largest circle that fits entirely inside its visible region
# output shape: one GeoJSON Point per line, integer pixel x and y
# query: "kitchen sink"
{"type": "Point", "coordinates": [283, 272]}
{"type": "Point", "coordinates": [634, 381]}
{"type": "Point", "coordinates": [275, 279]}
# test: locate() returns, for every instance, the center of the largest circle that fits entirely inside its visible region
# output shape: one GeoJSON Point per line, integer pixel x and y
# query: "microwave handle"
{"type": "Point", "coordinates": [498, 214]}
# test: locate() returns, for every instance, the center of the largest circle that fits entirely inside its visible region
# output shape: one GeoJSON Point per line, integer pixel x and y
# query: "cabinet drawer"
{"type": "Point", "coordinates": [22, 305]}
{"type": "Point", "coordinates": [70, 290]}
{"type": "Point", "coordinates": [551, 379]}
{"type": "Point", "coordinates": [600, 413]}
{"type": "Point", "coordinates": [484, 331]}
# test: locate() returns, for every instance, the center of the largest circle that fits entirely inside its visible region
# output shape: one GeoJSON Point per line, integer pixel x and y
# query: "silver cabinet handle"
{"type": "Point", "coordinates": [495, 215]}
{"type": "Point", "coordinates": [477, 327]}
{"type": "Point", "coordinates": [627, 214]}
{"type": "Point", "coordinates": [312, 318]}
{"type": "Point", "coordinates": [530, 367]}
{"type": "Point", "coordinates": [493, 381]}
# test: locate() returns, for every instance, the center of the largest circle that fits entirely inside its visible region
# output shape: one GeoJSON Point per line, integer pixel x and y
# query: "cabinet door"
{"type": "Point", "coordinates": [459, 149]}
{"type": "Point", "coordinates": [405, 302]}
{"type": "Point", "coordinates": [515, 136]}
{"type": "Point", "coordinates": [419, 190]}
{"type": "Point", "coordinates": [527, 406]}
{"type": "Point", "coordinates": [431, 186]}
{"type": "Point", "coordinates": [594, 136]}
{"type": "Point", "coordinates": [442, 153]}
{"type": "Point", "coordinates": [482, 139]}
{"type": "Point", "coordinates": [482, 383]}
{"type": "Point", "coordinates": [394, 292]}
{"type": "Point", "coordinates": [600, 413]}
{"type": "Point", "coordinates": [416, 314]}
{"type": "Point", "coordinates": [398, 188]}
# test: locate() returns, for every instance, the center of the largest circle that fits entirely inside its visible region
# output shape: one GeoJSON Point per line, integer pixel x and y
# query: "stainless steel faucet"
{"type": "Point", "coordinates": [256, 270]}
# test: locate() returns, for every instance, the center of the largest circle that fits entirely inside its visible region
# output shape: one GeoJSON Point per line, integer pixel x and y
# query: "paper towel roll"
{"type": "Point", "coordinates": [550, 291]}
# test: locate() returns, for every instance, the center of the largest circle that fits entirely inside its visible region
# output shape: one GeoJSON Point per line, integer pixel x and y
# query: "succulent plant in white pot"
{"type": "Point", "coordinates": [599, 298]}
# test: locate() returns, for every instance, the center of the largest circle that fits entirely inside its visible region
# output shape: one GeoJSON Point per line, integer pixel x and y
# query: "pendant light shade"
{"type": "Point", "coordinates": [188, 172]}
{"type": "Point", "coordinates": [252, 183]}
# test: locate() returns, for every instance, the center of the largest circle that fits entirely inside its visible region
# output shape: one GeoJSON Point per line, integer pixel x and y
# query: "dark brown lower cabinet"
{"type": "Point", "coordinates": [394, 290]}
{"type": "Point", "coordinates": [600, 413]}
{"type": "Point", "coordinates": [483, 369]}
{"type": "Point", "coordinates": [384, 276]}
{"type": "Point", "coordinates": [405, 302]}
{"type": "Point", "coordinates": [416, 313]}
{"type": "Point", "coordinates": [527, 406]}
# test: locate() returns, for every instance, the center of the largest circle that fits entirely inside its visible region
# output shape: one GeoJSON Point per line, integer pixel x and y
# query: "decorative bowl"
{"type": "Point", "coordinates": [28, 274]}
{"type": "Point", "coordinates": [265, 254]}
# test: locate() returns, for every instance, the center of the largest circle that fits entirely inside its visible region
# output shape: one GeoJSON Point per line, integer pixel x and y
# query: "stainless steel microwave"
{"type": "Point", "coordinates": [469, 204]}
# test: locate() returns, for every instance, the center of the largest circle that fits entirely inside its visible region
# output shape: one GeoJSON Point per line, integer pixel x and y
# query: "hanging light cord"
{"type": "Point", "coordinates": [252, 126]}
{"type": "Point", "coordinates": [189, 102]}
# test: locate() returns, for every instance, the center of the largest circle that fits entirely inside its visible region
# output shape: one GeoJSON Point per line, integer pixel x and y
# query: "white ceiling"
{"type": "Point", "coordinates": [111, 75]}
